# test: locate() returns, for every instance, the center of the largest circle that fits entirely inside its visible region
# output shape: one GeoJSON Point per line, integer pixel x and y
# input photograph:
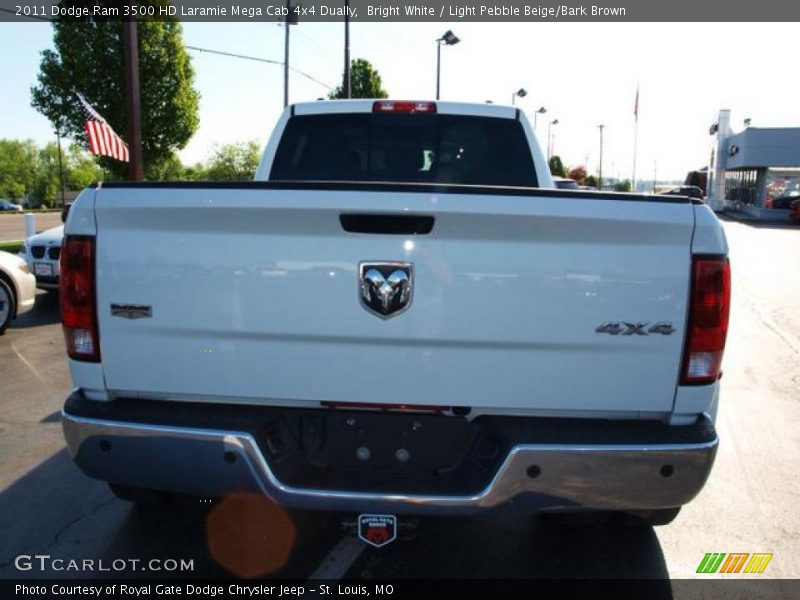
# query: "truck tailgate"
{"type": "Point", "coordinates": [255, 298]}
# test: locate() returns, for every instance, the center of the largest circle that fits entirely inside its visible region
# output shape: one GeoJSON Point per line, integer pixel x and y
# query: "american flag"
{"type": "Point", "coordinates": [102, 139]}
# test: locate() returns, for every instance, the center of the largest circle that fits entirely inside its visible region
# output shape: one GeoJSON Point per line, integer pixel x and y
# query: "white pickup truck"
{"type": "Point", "coordinates": [401, 315]}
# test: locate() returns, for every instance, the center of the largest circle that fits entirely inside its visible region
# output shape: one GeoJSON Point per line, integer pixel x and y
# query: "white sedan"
{"type": "Point", "coordinates": [17, 288]}
{"type": "Point", "coordinates": [42, 252]}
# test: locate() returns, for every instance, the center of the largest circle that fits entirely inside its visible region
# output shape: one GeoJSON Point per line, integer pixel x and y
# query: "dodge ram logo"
{"type": "Point", "coordinates": [385, 288]}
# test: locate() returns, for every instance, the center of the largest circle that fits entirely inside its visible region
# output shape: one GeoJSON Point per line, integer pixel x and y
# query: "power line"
{"type": "Point", "coordinates": [210, 51]}
{"type": "Point", "coordinates": [259, 59]}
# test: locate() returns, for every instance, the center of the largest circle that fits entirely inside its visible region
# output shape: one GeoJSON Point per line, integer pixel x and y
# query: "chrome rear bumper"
{"type": "Point", "coordinates": [214, 463]}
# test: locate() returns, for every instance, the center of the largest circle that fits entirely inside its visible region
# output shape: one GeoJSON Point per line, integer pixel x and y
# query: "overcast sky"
{"type": "Point", "coordinates": [583, 73]}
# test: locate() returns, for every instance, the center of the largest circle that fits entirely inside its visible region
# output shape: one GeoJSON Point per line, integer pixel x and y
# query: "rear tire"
{"type": "Point", "coordinates": [8, 306]}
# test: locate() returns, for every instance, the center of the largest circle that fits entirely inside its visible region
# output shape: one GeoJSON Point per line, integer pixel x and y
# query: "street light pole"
{"type": "Point", "coordinates": [655, 170]}
{"type": "Point", "coordinates": [521, 92]}
{"type": "Point", "coordinates": [448, 39]}
{"type": "Point", "coordinates": [438, 65]}
{"type": "Point", "coordinates": [131, 57]}
{"type": "Point", "coordinates": [549, 137]}
{"type": "Point", "coordinates": [541, 111]}
{"type": "Point", "coordinates": [600, 167]}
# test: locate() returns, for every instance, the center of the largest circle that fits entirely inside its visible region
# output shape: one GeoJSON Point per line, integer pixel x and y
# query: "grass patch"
{"type": "Point", "coordinates": [12, 247]}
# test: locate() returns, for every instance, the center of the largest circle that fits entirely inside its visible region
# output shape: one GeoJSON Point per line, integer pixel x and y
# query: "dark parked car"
{"type": "Point", "coordinates": [794, 214]}
{"type": "Point", "coordinates": [7, 205]}
{"type": "Point", "coordinates": [785, 200]}
{"type": "Point", "coordinates": [685, 190]}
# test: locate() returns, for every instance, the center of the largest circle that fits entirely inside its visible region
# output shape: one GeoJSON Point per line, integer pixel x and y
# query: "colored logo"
{"type": "Point", "coordinates": [377, 530]}
{"type": "Point", "coordinates": [735, 562]}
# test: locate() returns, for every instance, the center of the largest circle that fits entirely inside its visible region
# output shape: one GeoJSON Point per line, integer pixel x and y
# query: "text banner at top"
{"type": "Point", "coordinates": [452, 11]}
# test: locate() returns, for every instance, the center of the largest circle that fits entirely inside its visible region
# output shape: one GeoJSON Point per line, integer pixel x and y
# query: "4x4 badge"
{"type": "Point", "coordinates": [635, 328]}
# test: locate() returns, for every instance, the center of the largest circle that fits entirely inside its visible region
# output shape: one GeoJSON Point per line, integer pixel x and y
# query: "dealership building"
{"type": "Point", "coordinates": [756, 171]}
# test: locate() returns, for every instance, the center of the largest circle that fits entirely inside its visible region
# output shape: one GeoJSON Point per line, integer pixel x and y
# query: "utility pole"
{"type": "Point", "coordinates": [348, 91]}
{"type": "Point", "coordinates": [286, 57]}
{"type": "Point", "coordinates": [131, 55]}
{"type": "Point", "coordinates": [600, 167]}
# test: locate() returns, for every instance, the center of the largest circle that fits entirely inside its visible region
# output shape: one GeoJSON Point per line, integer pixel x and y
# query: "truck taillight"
{"type": "Point", "coordinates": [77, 295]}
{"type": "Point", "coordinates": [709, 308]}
{"type": "Point", "coordinates": [403, 106]}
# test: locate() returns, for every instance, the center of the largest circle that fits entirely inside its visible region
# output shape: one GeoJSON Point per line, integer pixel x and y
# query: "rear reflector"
{"type": "Point", "coordinates": [77, 296]}
{"type": "Point", "coordinates": [403, 106]}
{"type": "Point", "coordinates": [709, 309]}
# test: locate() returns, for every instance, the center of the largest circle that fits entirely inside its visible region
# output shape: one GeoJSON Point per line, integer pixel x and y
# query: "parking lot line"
{"type": "Point", "coordinates": [339, 559]}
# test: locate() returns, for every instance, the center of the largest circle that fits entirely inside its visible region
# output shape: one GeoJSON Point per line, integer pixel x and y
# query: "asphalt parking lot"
{"type": "Point", "coordinates": [749, 504]}
{"type": "Point", "coordinates": [12, 227]}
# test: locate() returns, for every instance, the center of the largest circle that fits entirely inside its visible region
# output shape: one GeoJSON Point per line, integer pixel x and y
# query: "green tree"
{"type": "Point", "coordinates": [195, 172]}
{"type": "Point", "coordinates": [365, 82]}
{"type": "Point", "coordinates": [29, 171]}
{"type": "Point", "coordinates": [170, 169]}
{"type": "Point", "coordinates": [81, 169]}
{"type": "Point", "coordinates": [18, 165]}
{"type": "Point", "coordinates": [47, 184]}
{"type": "Point", "coordinates": [556, 166]}
{"type": "Point", "coordinates": [591, 181]}
{"type": "Point", "coordinates": [234, 162]}
{"type": "Point", "coordinates": [87, 58]}
{"type": "Point", "coordinates": [623, 185]}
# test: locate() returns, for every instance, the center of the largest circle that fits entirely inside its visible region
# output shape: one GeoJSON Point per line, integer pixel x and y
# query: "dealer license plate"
{"type": "Point", "coordinates": [42, 269]}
